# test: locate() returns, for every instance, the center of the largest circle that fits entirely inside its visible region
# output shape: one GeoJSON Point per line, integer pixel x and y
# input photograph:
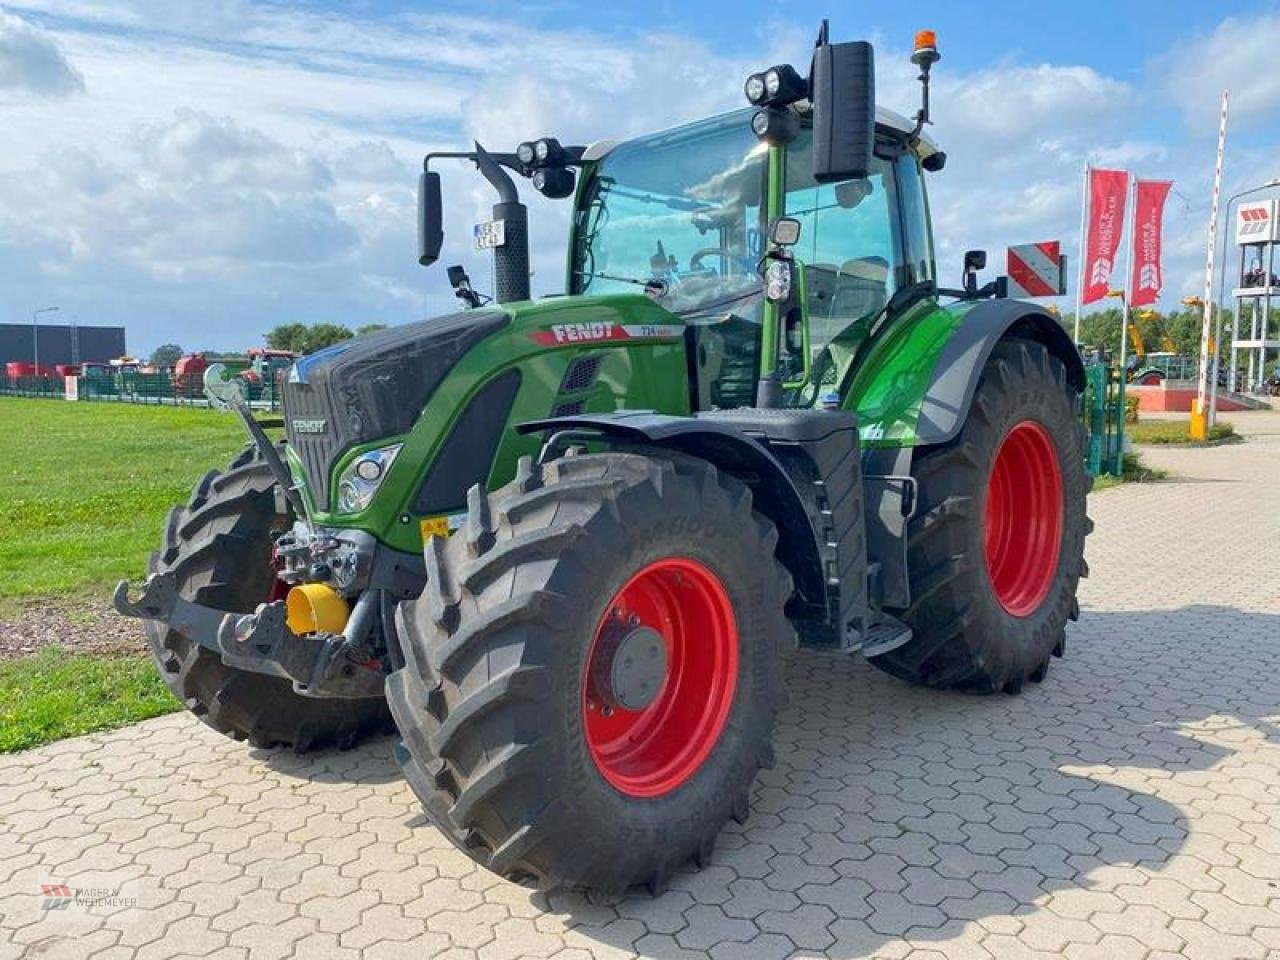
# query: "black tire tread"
{"type": "Point", "coordinates": [475, 745]}
{"type": "Point", "coordinates": [955, 644]}
{"type": "Point", "coordinates": [215, 547]}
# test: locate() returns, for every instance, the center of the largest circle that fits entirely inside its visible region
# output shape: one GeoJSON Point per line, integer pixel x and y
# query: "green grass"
{"type": "Point", "coordinates": [1173, 431]}
{"type": "Point", "coordinates": [55, 694]}
{"type": "Point", "coordinates": [1135, 471]}
{"type": "Point", "coordinates": [85, 487]}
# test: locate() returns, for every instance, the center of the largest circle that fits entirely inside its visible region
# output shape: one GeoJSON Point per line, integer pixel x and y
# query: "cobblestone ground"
{"type": "Point", "coordinates": [1127, 807]}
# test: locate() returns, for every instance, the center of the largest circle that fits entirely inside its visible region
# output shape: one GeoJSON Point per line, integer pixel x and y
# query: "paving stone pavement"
{"type": "Point", "coordinates": [1127, 807]}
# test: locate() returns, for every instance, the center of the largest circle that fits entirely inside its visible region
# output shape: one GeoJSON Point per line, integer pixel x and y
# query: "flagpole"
{"type": "Point", "coordinates": [1128, 274]}
{"type": "Point", "coordinates": [1084, 219]}
{"type": "Point", "coordinates": [1205, 411]}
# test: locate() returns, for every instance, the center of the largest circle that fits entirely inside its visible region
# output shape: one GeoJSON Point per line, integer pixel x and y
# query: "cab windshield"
{"type": "Point", "coordinates": [679, 212]}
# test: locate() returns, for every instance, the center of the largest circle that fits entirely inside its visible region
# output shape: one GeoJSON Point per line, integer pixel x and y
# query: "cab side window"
{"type": "Point", "coordinates": [849, 246]}
{"type": "Point", "coordinates": [917, 237]}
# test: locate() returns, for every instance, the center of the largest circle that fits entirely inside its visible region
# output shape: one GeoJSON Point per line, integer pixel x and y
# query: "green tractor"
{"type": "Point", "coordinates": [564, 546]}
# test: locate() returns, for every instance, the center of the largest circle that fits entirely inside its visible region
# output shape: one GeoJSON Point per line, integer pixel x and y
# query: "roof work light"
{"type": "Point", "coordinates": [776, 86]}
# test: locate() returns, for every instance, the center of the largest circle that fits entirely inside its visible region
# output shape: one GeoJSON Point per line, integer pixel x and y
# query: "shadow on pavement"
{"type": "Point", "coordinates": [899, 811]}
{"type": "Point", "coordinates": [895, 810]}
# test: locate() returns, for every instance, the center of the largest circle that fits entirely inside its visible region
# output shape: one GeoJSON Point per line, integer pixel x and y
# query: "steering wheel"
{"type": "Point", "coordinates": [695, 261]}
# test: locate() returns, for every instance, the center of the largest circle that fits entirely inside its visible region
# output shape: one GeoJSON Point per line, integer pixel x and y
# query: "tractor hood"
{"type": "Point", "coordinates": [379, 385]}
{"type": "Point", "coordinates": [373, 386]}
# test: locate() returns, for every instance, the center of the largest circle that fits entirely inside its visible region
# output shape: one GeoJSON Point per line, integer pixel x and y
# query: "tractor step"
{"type": "Point", "coordinates": [887, 635]}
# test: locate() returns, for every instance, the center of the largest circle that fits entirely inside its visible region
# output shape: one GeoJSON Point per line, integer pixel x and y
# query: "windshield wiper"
{"type": "Point", "coordinates": [653, 285]}
{"type": "Point", "coordinates": [673, 203]}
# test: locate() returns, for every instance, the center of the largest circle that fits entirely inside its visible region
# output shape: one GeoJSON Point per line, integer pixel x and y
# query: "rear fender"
{"type": "Point", "coordinates": [945, 405]}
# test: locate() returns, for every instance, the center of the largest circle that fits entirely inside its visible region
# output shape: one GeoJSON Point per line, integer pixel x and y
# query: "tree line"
{"type": "Point", "coordinates": [299, 338]}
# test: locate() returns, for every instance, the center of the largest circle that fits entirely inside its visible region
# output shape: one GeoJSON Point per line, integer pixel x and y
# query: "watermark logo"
{"type": "Point", "coordinates": [61, 896]}
{"type": "Point", "coordinates": [57, 896]}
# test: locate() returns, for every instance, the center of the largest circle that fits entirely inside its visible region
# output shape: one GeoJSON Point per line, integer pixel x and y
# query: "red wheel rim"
{"type": "Point", "coordinates": [1023, 530]}
{"type": "Point", "coordinates": [652, 751]}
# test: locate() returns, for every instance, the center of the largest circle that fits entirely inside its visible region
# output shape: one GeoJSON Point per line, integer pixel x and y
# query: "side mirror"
{"type": "Point", "coordinates": [974, 260]}
{"type": "Point", "coordinates": [430, 218]}
{"type": "Point", "coordinates": [843, 93]}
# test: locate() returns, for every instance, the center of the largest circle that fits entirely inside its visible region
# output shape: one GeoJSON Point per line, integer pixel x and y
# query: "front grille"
{"type": "Point", "coordinates": [373, 387]}
{"type": "Point", "coordinates": [316, 450]}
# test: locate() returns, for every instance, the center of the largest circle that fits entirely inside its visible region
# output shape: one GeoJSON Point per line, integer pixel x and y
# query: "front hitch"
{"type": "Point", "coordinates": [318, 665]}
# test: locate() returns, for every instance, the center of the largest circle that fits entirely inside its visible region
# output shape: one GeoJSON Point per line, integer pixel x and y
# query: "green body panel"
{"type": "Point", "coordinates": [643, 372]}
{"type": "Point", "coordinates": [889, 385]}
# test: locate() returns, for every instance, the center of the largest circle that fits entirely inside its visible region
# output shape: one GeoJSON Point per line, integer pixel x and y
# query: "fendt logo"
{"type": "Point", "coordinates": [1149, 277]}
{"type": "Point", "coordinates": [1253, 221]}
{"type": "Point", "coordinates": [579, 332]}
{"type": "Point", "coordinates": [603, 332]}
{"type": "Point", "coordinates": [1100, 275]}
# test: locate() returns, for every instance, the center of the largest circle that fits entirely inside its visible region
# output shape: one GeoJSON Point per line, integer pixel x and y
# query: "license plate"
{"type": "Point", "coordinates": [492, 233]}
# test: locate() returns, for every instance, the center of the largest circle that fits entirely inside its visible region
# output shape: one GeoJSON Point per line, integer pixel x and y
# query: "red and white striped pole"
{"type": "Point", "coordinates": [1200, 412]}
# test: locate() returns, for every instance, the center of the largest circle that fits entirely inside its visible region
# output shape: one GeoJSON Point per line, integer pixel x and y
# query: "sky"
{"type": "Point", "coordinates": [202, 172]}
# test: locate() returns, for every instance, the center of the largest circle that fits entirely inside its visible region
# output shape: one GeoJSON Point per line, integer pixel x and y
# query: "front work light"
{"type": "Point", "coordinates": [363, 476]}
{"type": "Point", "coordinates": [782, 84]}
{"type": "Point", "coordinates": [548, 152]}
{"type": "Point", "coordinates": [777, 280]}
{"type": "Point", "coordinates": [554, 183]}
{"type": "Point", "coordinates": [776, 86]}
{"type": "Point", "coordinates": [525, 154]}
{"type": "Point", "coordinates": [775, 125]}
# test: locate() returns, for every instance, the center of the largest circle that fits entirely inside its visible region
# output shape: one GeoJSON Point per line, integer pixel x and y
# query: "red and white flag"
{"type": "Point", "coordinates": [1148, 223]}
{"type": "Point", "coordinates": [1107, 189]}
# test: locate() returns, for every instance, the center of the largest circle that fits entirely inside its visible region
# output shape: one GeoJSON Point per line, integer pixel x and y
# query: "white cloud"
{"type": "Point", "coordinates": [1240, 55]}
{"type": "Point", "coordinates": [231, 165]}
{"type": "Point", "coordinates": [32, 62]}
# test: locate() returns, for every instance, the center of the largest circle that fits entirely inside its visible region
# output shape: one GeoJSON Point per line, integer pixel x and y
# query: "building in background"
{"type": "Point", "coordinates": [57, 344]}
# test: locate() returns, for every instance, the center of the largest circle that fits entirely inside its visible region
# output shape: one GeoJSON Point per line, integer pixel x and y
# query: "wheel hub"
{"type": "Point", "coordinates": [660, 676]}
{"type": "Point", "coordinates": [630, 665]}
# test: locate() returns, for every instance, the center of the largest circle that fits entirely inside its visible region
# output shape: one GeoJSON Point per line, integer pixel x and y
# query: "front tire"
{"type": "Point", "coordinates": [218, 548]}
{"type": "Point", "coordinates": [535, 756]}
{"type": "Point", "coordinates": [996, 544]}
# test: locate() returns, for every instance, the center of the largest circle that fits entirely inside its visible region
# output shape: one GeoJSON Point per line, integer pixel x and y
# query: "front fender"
{"type": "Point", "coordinates": [730, 450]}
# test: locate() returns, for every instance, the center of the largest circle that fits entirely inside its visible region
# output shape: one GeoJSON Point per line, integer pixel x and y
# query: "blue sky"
{"type": "Point", "coordinates": [203, 172]}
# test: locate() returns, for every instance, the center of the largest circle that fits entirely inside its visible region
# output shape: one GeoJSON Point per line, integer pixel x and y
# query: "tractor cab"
{"type": "Point", "coordinates": [686, 215]}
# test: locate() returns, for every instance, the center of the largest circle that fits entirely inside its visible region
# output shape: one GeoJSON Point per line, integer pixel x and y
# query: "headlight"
{"type": "Point", "coordinates": [772, 82]}
{"type": "Point", "coordinates": [754, 88]}
{"type": "Point", "coordinates": [524, 153]}
{"type": "Point", "coordinates": [777, 280]}
{"type": "Point", "coordinates": [363, 476]}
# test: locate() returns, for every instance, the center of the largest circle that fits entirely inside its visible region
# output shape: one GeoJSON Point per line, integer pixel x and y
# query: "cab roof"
{"type": "Point", "coordinates": [886, 119]}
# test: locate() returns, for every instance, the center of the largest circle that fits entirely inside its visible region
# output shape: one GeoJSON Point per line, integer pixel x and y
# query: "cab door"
{"type": "Point", "coordinates": [860, 241]}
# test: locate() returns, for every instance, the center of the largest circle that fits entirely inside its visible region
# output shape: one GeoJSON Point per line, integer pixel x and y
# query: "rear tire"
{"type": "Point", "coordinates": [990, 598]}
{"type": "Point", "coordinates": [495, 703]}
{"type": "Point", "coordinates": [218, 547]}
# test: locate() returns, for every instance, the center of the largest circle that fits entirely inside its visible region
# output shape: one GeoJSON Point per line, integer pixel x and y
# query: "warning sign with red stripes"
{"type": "Point", "coordinates": [1035, 270]}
